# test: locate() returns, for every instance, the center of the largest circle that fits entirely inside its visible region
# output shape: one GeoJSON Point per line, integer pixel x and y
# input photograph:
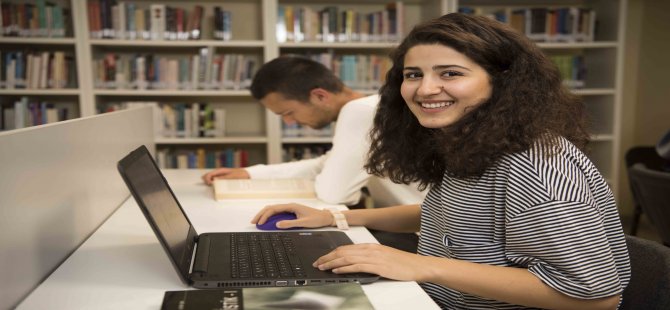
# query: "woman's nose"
{"type": "Point", "coordinates": [429, 86]}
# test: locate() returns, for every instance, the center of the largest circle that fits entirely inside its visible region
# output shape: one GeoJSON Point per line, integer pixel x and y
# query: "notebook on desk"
{"type": "Point", "coordinates": [234, 259]}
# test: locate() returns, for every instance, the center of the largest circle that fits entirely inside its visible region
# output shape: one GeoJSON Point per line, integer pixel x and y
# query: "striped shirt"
{"type": "Point", "coordinates": [552, 214]}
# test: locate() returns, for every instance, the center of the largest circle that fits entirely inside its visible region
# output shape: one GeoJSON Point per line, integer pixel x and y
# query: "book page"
{"type": "Point", "coordinates": [263, 188]}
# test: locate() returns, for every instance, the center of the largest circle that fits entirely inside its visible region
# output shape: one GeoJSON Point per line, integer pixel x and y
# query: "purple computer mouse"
{"type": "Point", "coordinates": [270, 224]}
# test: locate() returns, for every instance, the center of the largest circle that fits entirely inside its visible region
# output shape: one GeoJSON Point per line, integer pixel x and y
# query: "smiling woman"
{"type": "Point", "coordinates": [440, 85]}
{"type": "Point", "coordinates": [475, 111]}
{"type": "Point", "coordinates": [516, 216]}
{"type": "Point", "coordinates": [526, 100]}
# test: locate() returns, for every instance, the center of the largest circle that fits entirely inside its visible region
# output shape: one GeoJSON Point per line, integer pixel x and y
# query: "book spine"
{"type": "Point", "coordinates": [281, 25]}
{"type": "Point", "coordinates": [227, 20]}
{"type": "Point", "coordinates": [41, 18]}
{"type": "Point", "coordinates": [131, 30]}
{"type": "Point", "coordinates": [195, 29]}
{"type": "Point", "coordinates": [44, 70]}
{"type": "Point", "coordinates": [157, 21]}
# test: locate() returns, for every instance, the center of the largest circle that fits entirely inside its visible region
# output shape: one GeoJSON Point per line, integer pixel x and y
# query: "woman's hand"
{"type": "Point", "coordinates": [377, 259]}
{"type": "Point", "coordinates": [306, 216]}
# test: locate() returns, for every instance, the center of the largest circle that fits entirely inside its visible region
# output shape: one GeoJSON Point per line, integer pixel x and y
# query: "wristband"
{"type": "Point", "coordinates": [340, 219]}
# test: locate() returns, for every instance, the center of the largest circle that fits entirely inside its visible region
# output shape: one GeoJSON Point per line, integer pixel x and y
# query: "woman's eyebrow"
{"type": "Point", "coordinates": [441, 67]}
{"type": "Point", "coordinates": [437, 67]}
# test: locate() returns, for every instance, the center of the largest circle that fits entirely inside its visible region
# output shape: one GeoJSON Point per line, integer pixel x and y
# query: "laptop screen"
{"type": "Point", "coordinates": [160, 206]}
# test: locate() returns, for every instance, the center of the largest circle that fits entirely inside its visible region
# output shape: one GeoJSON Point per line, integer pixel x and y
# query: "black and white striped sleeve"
{"type": "Point", "coordinates": [566, 245]}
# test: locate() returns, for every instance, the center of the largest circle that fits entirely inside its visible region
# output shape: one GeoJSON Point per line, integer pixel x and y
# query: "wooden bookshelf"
{"type": "Point", "coordinates": [246, 38]}
{"type": "Point", "coordinates": [254, 32]}
{"type": "Point", "coordinates": [603, 58]}
{"type": "Point", "coordinates": [48, 88]}
{"type": "Point", "coordinates": [412, 12]}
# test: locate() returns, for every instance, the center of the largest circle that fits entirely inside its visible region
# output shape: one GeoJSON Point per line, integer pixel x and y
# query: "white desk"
{"type": "Point", "coordinates": [122, 265]}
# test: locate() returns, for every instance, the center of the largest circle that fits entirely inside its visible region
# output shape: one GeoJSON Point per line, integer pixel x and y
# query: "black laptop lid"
{"type": "Point", "coordinates": [160, 207]}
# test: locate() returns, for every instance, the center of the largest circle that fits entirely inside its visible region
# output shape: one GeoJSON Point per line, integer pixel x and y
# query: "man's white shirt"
{"type": "Point", "coordinates": [339, 174]}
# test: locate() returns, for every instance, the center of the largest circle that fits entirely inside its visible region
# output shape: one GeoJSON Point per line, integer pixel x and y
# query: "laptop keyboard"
{"type": "Point", "coordinates": [264, 255]}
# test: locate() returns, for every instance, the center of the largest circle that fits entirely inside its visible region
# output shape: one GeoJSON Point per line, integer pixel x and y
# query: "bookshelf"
{"type": "Point", "coordinates": [253, 32]}
{"type": "Point", "coordinates": [310, 143]}
{"type": "Point", "coordinates": [39, 81]}
{"type": "Point", "coordinates": [602, 58]}
{"type": "Point", "coordinates": [245, 121]}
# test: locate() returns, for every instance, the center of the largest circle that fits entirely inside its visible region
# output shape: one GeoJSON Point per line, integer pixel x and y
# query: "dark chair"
{"type": "Point", "coordinates": [649, 286]}
{"type": "Point", "coordinates": [646, 155]}
{"type": "Point", "coordinates": [651, 189]}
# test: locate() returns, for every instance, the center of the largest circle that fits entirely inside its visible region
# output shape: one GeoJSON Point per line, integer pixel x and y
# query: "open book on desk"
{"type": "Point", "coordinates": [338, 296]}
{"type": "Point", "coordinates": [263, 188]}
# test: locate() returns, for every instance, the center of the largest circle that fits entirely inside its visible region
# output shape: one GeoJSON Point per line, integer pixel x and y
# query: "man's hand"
{"type": "Point", "coordinates": [225, 173]}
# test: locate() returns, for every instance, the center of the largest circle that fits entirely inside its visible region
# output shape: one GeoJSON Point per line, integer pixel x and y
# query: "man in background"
{"type": "Point", "coordinates": [306, 92]}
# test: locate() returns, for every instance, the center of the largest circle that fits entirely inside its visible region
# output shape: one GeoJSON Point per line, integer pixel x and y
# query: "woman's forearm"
{"type": "Point", "coordinates": [513, 285]}
{"type": "Point", "coordinates": [405, 218]}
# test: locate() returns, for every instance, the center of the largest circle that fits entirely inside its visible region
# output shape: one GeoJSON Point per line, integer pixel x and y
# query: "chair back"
{"type": "Point", "coordinates": [652, 191]}
{"type": "Point", "coordinates": [646, 155]}
{"type": "Point", "coordinates": [649, 286]}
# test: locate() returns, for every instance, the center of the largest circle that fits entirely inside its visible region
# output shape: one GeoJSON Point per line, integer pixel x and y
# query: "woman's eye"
{"type": "Point", "coordinates": [451, 73]}
{"type": "Point", "coordinates": [412, 75]}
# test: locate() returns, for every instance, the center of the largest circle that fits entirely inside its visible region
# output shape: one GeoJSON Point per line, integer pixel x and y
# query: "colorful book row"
{"type": "Point", "coordinates": [359, 71]}
{"type": "Point", "coordinates": [300, 152]}
{"type": "Point", "coordinates": [542, 24]}
{"type": "Point", "coordinates": [572, 69]}
{"type": "Point", "coordinates": [25, 113]}
{"type": "Point", "coordinates": [296, 130]}
{"type": "Point", "coordinates": [41, 19]}
{"type": "Point", "coordinates": [109, 19]}
{"type": "Point", "coordinates": [181, 120]}
{"type": "Point", "coordinates": [201, 71]}
{"type": "Point", "coordinates": [37, 70]}
{"type": "Point", "coordinates": [202, 159]}
{"type": "Point", "coordinates": [332, 24]}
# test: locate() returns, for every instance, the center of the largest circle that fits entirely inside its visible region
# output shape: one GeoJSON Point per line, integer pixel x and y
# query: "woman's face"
{"type": "Point", "coordinates": [440, 85]}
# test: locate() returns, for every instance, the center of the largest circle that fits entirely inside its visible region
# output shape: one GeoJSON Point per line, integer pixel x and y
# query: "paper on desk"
{"type": "Point", "coordinates": [308, 301]}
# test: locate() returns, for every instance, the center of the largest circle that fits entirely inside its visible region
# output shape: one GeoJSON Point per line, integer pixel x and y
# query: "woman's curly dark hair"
{"type": "Point", "coordinates": [528, 104]}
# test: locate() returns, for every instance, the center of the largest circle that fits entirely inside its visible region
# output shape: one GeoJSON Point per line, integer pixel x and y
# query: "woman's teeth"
{"type": "Point", "coordinates": [436, 105]}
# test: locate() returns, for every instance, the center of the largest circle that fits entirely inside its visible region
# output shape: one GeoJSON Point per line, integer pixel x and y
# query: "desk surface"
{"type": "Point", "coordinates": [122, 265]}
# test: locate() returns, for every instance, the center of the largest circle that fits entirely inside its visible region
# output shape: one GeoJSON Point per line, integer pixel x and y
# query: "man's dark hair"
{"type": "Point", "coordinates": [293, 77]}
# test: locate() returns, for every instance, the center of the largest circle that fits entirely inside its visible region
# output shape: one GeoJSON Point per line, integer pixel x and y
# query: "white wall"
{"type": "Point", "coordinates": [646, 97]}
{"type": "Point", "coordinates": [58, 184]}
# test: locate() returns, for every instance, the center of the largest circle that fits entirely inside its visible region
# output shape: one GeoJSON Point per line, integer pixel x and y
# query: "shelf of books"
{"type": "Point", "coordinates": [171, 93]}
{"type": "Point", "coordinates": [210, 156]}
{"type": "Point", "coordinates": [169, 43]}
{"type": "Point", "coordinates": [584, 39]}
{"type": "Point", "coordinates": [38, 70]}
{"type": "Point", "coordinates": [186, 56]}
{"type": "Point", "coordinates": [353, 39]}
{"type": "Point", "coordinates": [191, 61]}
{"type": "Point", "coordinates": [300, 142]}
{"type": "Point", "coordinates": [298, 151]}
{"type": "Point", "coordinates": [174, 20]}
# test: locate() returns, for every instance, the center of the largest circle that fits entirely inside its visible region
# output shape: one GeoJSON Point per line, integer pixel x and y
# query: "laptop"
{"type": "Point", "coordinates": [231, 259]}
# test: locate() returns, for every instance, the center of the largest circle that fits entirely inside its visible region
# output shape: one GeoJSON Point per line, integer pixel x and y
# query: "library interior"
{"type": "Point", "coordinates": [85, 82]}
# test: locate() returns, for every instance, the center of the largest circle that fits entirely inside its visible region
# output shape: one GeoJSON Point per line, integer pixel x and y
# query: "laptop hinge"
{"type": "Point", "coordinates": [201, 260]}
{"type": "Point", "coordinates": [195, 250]}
